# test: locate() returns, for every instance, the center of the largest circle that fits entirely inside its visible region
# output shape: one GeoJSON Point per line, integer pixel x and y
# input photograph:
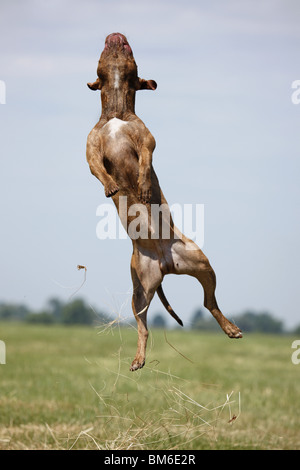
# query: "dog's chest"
{"type": "Point", "coordinates": [113, 128]}
{"type": "Point", "coordinates": [120, 157]}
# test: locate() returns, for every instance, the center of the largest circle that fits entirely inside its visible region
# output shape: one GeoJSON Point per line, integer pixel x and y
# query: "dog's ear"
{"type": "Point", "coordinates": [146, 84]}
{"type": "Point", "coordinates": [96, 85]}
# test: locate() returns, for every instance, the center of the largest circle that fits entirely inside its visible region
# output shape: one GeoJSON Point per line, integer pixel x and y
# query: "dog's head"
{"type": "Point", "coordinates": [117, 67]}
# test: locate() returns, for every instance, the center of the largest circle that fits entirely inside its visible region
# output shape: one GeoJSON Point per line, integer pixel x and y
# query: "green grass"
{"type": "Point", "coordinates": [70, 387]}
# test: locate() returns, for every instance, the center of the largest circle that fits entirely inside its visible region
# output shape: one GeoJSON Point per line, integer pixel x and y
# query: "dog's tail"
{"type": "Point", "coordinates": [166, 304]}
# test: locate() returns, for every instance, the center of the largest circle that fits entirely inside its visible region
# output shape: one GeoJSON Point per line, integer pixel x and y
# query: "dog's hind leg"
{"type": "Point", "coordinates": [208, 280]}
{"type": "Point", "coordinates": [189, 259]}
{"type": "Point", "coordinates": [146, 276]}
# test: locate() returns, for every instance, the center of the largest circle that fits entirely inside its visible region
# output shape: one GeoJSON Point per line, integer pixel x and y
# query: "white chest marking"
{"type": "Point", "coordinates": [117, 79]}
{"type": "Point", "coordinates": [114, 126]}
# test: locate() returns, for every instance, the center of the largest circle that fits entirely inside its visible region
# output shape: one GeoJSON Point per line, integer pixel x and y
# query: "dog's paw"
{"type": "Point", "coordinates": [111, 189]}
{"type": "Point", "coordinates": [136, 364]}
{"type": "Point", "coordinates": [233, 331]}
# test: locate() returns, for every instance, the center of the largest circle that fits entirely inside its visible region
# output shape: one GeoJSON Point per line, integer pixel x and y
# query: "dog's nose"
{"type": "Point", "coordinates": [116, 38]}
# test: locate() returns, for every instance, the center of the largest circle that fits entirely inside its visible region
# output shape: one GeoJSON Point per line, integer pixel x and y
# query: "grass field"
{"type": "Point", "coordinates": [71, 388]}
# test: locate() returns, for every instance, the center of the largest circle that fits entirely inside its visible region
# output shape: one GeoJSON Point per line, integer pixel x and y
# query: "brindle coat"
{"type": "Point", "coordinates": [119, 153]}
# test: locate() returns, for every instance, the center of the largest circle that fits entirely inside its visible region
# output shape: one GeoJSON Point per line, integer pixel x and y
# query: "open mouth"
{"type": "Point", "coordinates": [117, 40]}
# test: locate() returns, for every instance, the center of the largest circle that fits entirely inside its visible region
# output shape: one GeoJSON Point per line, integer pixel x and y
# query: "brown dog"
{"type": "Point", "coordinates": [119, 153]}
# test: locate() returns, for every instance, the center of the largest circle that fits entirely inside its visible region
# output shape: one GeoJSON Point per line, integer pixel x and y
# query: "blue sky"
{"type": "Point", "coordinates": [227, 136]}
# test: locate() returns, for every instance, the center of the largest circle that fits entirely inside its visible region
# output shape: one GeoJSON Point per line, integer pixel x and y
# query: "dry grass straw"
{"type": "Point", "coordinates": [183, 421]}
{"type": "Point", "coordinates": [178, 423]}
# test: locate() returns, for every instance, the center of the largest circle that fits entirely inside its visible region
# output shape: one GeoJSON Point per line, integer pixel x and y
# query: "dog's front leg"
{"type": "Point", "coordinates": [145, 169]}
{"type": "Point", "coordinates": [95, 161]}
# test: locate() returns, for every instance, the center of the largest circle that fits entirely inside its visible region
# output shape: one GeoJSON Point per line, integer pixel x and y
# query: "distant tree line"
{"type": "Point", "coordinates": [75, 312]}
{"type": "Point", "coordinates": [78, 312]}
